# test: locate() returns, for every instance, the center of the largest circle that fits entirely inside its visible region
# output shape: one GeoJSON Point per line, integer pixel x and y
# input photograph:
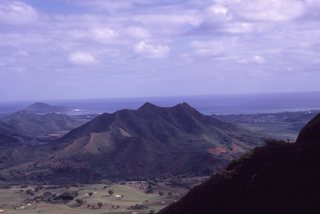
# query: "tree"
{"type": "Point", "coordinates": [100, 204]}
{"type": "Point", "coordinates": [90, 194]}
{"type": "Point", "coordinates": [30, 192]}
{"type": "Point", "coordinates": [149, 188]}
{"type": "Point", "coordinates": [80, 201]}
{"type": "Point", "coordinates": [110, 191]}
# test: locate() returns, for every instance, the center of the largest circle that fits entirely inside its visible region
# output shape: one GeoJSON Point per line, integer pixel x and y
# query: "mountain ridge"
{"type": "Point", "coordinates": [145, 142]}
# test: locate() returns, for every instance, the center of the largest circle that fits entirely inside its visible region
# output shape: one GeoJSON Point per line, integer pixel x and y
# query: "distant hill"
{"type": "Point", "coordinates": [35, 125]}
{"type": "Point", "coordinates": [277, 178]}
{"type": "Point", "coordinates": [22, 133]}
{"type": "Point", "coordinates": [43, 108]}
{"type": "Point", "coordinates": [16, 149]}
{"type": "Point", "coordinates": [150, 141]}
{"type": "Point", "coordinates": [8, 137]}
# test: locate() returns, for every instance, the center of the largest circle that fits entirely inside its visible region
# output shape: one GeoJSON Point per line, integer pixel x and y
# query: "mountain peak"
{"type": "Point", "coordinates": [40, 107]}
{"type": "Point", "coordinates": [147, 106]}
{"type": "Point", "coordinates": [183, 105]}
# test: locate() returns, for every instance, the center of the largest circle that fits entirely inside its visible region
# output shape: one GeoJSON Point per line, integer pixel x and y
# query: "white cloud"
{"type": "Point", "coordinates": [138, 32]}
{"type": "Point", "coordinates": [103, 34]}
{"type": "Point", "coordinates": [254, 59]}
{"type": "Point", "coordinates": [219, 10]}
{"type": "Point", "coordinates": [82, 58]}
{"type": "Point", "coordinates": [238, 27]}
{"type": "Point", "coordinates": [174, 18]}
{"type": "Point", "coordinates": [151, 50]}
{"type": "Point", "coordinates": [109, 5]}
{"type": "Point", "coordinates": [259, 59]}
{"type": "Point", "coordinates": [96, 34]}
{"type": "Point", "coordinates": [218, 13]}
{"type": "Point", "coordinates": [270, 10]}
{"type": "Point", "coordinates": [16, 12]}
{"type": "Point", "coordinates": [263, 35]}
{"type": "Point", "coordinates": [208, 48]}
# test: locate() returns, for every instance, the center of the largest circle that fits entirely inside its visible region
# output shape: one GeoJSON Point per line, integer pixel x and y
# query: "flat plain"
{"type": "Point", "coordinates": [125, 197]}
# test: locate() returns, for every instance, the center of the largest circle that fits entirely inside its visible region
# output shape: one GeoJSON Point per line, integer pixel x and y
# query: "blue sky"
{"type": "Point", "coordinates": [73, 49]}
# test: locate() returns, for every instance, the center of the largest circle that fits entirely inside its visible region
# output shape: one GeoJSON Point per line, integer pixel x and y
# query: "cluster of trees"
{"type": "Point", "coordinates": [81, 202]}
{"type": "Point", "coordinates": [138, 207]}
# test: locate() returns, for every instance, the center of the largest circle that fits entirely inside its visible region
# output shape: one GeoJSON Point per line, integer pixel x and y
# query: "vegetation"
{"type": "Point", "coordinates": [57, 199]}
{"type": "Point", "coordinates": [110, 191]}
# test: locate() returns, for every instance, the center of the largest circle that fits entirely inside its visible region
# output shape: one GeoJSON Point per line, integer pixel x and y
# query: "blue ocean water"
{"type": "Point", "coordinates": [210, 104]}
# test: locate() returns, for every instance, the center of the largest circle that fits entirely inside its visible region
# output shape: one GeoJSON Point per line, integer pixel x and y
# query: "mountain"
{"type": "Point", "coordinates": [43, 108]}
{"type": "Point", "coordinates": [151, 141]}
{"type": "Point", "coordinates": [277, 178]}
{"type": "Point", "coordinates": [35, 125]}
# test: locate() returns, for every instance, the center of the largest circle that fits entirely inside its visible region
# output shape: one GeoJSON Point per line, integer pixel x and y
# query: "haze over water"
{"type": "Point", "coordinates": [209, 104]}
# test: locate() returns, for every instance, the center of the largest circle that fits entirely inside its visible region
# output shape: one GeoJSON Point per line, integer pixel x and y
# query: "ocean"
{"type": "Point", "coordinates": [209, 104]}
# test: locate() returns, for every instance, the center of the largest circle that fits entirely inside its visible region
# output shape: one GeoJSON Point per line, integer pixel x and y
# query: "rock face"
{"type": "Point", "coordinates": [277, 178]}
{"type": "Point", "coordinates": [150, 141]}
{"type": "Point", "coordinates": [311, 132]}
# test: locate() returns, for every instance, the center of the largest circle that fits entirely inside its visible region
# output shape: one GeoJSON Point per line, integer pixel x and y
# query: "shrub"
{"type": "Point", "coordinates": [138, 207]}
{"type": "Point", "coordinates": [80, 202]}
{"type": "Point", "coordinates": [110, 191]}
{"type": "Point", "coordinates": [100, 204]}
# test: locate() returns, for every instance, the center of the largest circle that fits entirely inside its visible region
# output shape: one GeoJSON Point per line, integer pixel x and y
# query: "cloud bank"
{"type": "Point", "coordinates": [155, 48]}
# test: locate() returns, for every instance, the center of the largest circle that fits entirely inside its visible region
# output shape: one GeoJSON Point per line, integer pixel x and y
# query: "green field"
{"type": "Point", "coordinates": [125, 195]}
{"type": "Point", "coordinates": [280, 131]}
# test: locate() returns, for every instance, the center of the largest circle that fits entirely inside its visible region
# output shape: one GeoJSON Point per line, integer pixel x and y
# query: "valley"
{"type": "Point", "coordinates": [282, 126]}
{"type": "Point", "coordinates": [109, 197]}
{"type": "Point", "coordinates": [159, 107]}
{"type": "Point", "coordinates": [130, 161]}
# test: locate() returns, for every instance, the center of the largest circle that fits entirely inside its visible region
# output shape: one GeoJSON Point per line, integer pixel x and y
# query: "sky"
{"type": "Point", "coordinates": [78, 49]}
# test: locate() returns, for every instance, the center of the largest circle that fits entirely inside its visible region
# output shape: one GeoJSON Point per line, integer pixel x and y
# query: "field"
{"type": "Point", "coordinates": [280, 131]}
{"type": "Point", "coordinates": [129, 197]}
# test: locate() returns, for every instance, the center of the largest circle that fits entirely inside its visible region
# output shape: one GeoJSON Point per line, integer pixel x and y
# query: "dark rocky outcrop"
{"type": "Point", "coordinates": [277, 178]}
{"type": "Point", "coordinates": [311, 132]}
